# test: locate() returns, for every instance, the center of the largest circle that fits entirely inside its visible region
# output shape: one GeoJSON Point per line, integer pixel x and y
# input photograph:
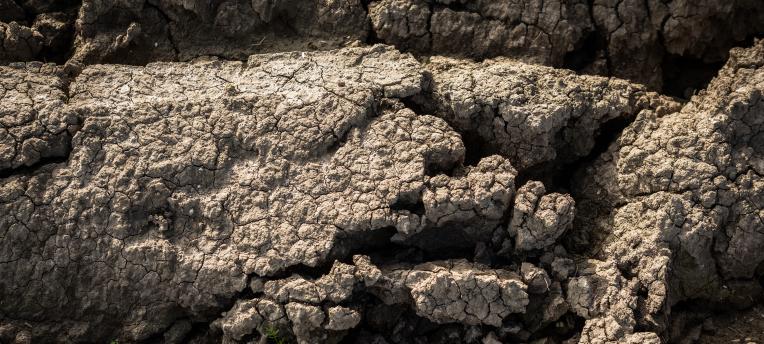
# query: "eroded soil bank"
{"type": "Point", "coordinates": [385, 171]}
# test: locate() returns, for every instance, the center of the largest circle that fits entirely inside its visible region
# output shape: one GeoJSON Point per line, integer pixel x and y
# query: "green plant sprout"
{"type": "Point", "coordinates": [273, 334]}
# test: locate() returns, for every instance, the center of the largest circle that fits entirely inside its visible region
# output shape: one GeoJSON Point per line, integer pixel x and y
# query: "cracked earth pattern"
{"type": "Point", "coordinates": [380, 171]}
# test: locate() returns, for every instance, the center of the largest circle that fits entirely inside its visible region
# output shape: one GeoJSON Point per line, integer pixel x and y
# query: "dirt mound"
{"type": "Point", "coordinates": [391, 171]}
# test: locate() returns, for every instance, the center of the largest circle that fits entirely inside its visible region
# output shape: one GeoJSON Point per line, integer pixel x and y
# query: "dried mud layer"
{"type": "Point", "coordinates": [381, 171]}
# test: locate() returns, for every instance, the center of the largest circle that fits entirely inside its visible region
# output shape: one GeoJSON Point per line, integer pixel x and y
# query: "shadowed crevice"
{"type": "Point", "coordinates": [41, 164]}
{"type": "Point", "coordinates": [685, 76]}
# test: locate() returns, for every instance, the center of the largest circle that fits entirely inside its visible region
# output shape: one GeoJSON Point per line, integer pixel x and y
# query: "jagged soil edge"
{"type": "Point", "coordinates": [553, 172]}
{"type": "Point", "coordinates": [609, 137]}
{"type": "Point", "coordinates": [380, 239]}
{"type": "Point", "coordinates": [58, 160]}
{"type": "Point", "coordinates": [676, 69]}
{"type": "Point", "coordinates": [380, 243]}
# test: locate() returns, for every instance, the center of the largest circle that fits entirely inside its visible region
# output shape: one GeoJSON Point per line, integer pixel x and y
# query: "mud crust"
{"type": "Point", "coordinates": [381, 171]}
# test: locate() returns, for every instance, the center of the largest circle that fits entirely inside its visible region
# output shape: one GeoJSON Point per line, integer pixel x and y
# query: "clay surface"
{"type": "Point", "coordinates": [381, 171]}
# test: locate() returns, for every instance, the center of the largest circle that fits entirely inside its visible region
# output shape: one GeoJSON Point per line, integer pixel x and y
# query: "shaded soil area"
{"type": "Point", "coordinates": [735, 327]}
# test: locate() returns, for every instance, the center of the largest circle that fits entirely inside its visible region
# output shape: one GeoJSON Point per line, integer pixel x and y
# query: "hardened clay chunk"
{"type": "Point", "coordinates": [382, 171]}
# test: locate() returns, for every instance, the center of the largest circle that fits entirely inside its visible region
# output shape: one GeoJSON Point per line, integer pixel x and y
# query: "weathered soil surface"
{"type": "Point", "coordinates": [382, 171]}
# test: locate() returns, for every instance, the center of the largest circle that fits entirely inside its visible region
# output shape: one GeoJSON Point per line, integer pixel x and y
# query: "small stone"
{"type": "Point", "coordinates": [562, 268]}
{"type": "Point", "coordinates": [342, 318]}
{"type": "Point", "coordinates": [536, 278]}
{"type": "Point", "coordinates": [538, 219]}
